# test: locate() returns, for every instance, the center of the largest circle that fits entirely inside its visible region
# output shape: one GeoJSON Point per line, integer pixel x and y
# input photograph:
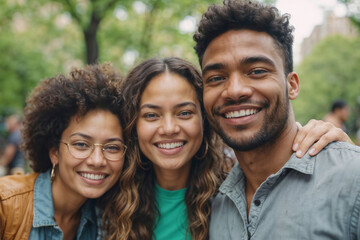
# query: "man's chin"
{"type": "Point", "coordinates": [244, 143]}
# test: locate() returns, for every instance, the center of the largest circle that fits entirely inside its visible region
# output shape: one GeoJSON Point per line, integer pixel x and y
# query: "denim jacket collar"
{"type": "Point", "coordinates": [44, 208]}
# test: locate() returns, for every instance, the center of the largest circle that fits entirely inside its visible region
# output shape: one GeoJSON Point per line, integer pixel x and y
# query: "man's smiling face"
{"type": "Point", "coordinates": [245, 88]}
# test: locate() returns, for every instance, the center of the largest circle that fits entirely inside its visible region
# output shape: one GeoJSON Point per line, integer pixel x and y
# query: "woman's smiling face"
{"type": "Point", "coordinates": [92, 176]}
{"type": "Point", "coordinates": [170, 124]}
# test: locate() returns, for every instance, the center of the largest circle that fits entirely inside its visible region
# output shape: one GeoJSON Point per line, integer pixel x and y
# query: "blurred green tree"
{"type": "Point", "coordinates": [141, 21]}
{"type": "Point", "coordinates": [42, 38]}
{"type": "Point", "coordinates": [328, 73]}
{"type": "Point", "coordinates": [88, 15]}
{"type": "Point", "coordinates": [32, 43]}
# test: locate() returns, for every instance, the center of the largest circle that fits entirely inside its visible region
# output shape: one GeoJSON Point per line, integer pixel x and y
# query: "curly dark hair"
{"type": "Point", "coordinates": [244, 14]}
{"type": "Point", "coordinates": [133, 212]}
{"type": "Point", "coordinates": [55, 100]}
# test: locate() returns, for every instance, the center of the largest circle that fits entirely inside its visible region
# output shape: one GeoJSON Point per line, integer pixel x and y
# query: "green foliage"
{"type": "Point", "coordinates": [152, 33]}
{"type": "Point", "coordinates": [34, 46]}
{"type": "Point", "coordinates": [20, 72]}
{"type": "Point", "coordinates": [43, 38]}
{"type": "Point", "coordinates": [328, 73]}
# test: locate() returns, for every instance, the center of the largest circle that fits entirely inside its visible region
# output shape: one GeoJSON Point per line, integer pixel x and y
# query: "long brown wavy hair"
{"type": "Point", "coordinates": [132, 212]}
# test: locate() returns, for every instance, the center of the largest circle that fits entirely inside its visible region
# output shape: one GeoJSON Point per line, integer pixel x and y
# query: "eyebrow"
{"type": "Point", "coordinates": [81, 135]}
{"type": "Point", "coordinates": [149, 105]}
{"type": "Point", "coordinates": [256, 59]}
{"type": "Point", "coordinates": [247, 60]}
{"type": "Point", "coordinates": [90, 138]}
{"type": "Point", "coordinates": [183, 104]}
{"type": "Point", "coordinates": [214, 66]}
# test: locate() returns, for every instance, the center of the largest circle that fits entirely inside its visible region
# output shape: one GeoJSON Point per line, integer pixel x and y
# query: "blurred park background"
{"type": "Point", "coordinates": [41, 38]}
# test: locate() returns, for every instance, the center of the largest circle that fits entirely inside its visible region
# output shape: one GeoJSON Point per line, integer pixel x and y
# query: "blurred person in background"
{"type": "Point", "coordinates": [339, 114]}
{"type": "Point", "coordinates": [12, 160]}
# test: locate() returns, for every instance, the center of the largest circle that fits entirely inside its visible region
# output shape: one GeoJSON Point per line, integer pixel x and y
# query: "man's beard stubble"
{"type": "Point", "coordinates": [272, 126]}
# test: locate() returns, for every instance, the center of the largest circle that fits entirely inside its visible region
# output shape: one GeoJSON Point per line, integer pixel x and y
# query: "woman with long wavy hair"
{"type": "Point", "coordinates": [174, 159]}
{"type": "Point", "coordinates": [178, 158]}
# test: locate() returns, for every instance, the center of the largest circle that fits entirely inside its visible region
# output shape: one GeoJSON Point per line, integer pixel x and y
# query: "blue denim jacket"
{"type": "Point", "coordinates": [44, 225]}
{"type": "Point", "coordinates": [310, 198]}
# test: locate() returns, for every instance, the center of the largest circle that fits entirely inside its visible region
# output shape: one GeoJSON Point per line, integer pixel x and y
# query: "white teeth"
{"type": "Point", "coordinates": [93, 176]}
{"type": "Point", "coordinates": [170, 145]}
{"type": "Point", "coordinates": [241, 113]}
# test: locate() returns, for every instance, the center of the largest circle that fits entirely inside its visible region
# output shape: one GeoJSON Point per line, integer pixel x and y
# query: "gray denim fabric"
{"type": "Point", "coordinates": [310, 198]}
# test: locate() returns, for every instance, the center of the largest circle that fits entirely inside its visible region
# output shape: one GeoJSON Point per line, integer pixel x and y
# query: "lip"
{"type": "Point", "coordinates": [170, 147]}
{"type": "Point", "coordinates": [93, 178]}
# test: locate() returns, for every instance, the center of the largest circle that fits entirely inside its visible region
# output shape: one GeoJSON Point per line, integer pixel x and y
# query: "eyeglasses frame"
{"type": "Point", "coordinates": [93, 148]}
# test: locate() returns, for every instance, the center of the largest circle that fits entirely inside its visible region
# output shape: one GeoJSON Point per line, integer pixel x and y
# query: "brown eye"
{"type": "Point", "coordinates": [112, 148]}
{"type": "Point", "coordinates": [150, 116]}
{"type": "Point", "coordinates": [80, 145]}
{"type": "Point", "coordinates": [258, 71]}
{"type": "Point", "coordinates": [215, 79]}
{"type": "Point", "coordinates": [185, 114]}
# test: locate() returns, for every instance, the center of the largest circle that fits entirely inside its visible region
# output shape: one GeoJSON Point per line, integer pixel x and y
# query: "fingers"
{"type": "Point", "coordinates": [298, 125]}
{"type": "Point", "coordinates": [302, 140]}
{"type": "Point", "coordinates": [319, 132]}
{"type": "Point", "coordinates": [334, 134]}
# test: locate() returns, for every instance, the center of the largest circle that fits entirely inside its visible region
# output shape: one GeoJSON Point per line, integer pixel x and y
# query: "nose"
{"type": "Point", "coordinates": [169, 126]}
{"type": "Point", "coordinates": [237, 87]}
{"type": "Point", "coordinates": [97, 158]}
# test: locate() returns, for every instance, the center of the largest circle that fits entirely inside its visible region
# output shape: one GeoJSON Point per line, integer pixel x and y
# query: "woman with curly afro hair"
{"type": "Point", "coordinates": [73, 137]}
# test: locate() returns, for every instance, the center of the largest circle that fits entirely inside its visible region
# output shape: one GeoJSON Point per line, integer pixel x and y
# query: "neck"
{"type": "Point", "coordinates": [65, 208]}
{"type": "Point", "coordinates": [172, 179]}
{"type": "Point", "coordinates": [258, 164]}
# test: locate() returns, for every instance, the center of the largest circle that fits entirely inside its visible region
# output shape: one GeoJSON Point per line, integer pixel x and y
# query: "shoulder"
{"type": "Point", "coordinates": [16, 205]}
{"type": "Point", "coordinates": [16, 185]}
{"type": "Point", "coordinates": [341, 152]}
{"type": "Point", "coordinates": [339, 163]}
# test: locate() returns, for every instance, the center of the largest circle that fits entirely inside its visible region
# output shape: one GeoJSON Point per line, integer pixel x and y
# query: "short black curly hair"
{"type": "Point", "coordinates": [57, 99]}
{"type": "Point", "coordinates": [244, 14]}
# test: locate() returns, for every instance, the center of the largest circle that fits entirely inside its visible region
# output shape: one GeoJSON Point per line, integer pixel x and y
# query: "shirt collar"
{"type": "Point", "coordinates": [44, 208]}
{"type": "Point", "coordinates": [236, 178]}
{"type": "Point", "coordinates": [43, 204]}
{"type": "Point", "coordinates": [304, 165]}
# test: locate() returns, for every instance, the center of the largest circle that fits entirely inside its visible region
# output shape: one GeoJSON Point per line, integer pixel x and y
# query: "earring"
{"type": "Point", "coordinates": [52, 175]}
{"type": "Point", "coordinates": [205, 152]}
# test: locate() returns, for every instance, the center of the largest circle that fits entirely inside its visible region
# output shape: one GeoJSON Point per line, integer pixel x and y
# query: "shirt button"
{"type": "Point", "coordinates": [257, 202]}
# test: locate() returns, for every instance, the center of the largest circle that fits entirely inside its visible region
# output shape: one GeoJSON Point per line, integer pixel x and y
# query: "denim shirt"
{"type": "Point", "coordinates": [44, 225]}
{"type": "Point", "coordinates": [310, 198]}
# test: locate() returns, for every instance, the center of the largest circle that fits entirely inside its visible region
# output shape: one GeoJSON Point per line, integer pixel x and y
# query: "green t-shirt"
{"type": "Point", "coordinates": [173, 222]}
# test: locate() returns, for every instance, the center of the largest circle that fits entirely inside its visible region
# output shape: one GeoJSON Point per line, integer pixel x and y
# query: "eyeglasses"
{"type": "Point", "coordinates": [113, 151]}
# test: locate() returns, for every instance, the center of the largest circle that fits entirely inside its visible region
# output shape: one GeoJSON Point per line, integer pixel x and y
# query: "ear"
{"type": "Point", "coordinates": [54, 155]}
{"type": "Point", "coordinates": [293, 85]}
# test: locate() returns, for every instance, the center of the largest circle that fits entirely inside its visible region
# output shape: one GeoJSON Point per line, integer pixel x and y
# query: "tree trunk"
{"type": "Point", "coordinates": [92, 48]}
{"type": "Point", "coordinates": [146, 38]}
